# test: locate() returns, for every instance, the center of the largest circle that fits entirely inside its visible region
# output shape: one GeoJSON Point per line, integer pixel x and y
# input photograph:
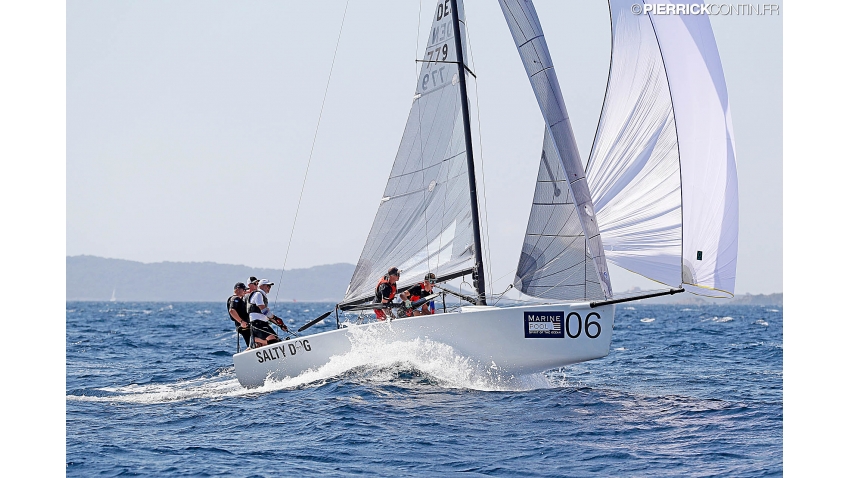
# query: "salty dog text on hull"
{"type": "Point", "coordinates": [278, 351]}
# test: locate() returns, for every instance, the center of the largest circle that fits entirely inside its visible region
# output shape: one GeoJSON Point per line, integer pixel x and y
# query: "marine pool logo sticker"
{"type": "Point", "coordinates": [544, 325]}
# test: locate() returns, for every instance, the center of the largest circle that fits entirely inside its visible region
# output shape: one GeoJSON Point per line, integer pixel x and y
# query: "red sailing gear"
{"type": "Point", "coordinates": [420, 288]}
{"type": "Point", "coordinates": [379, 313]}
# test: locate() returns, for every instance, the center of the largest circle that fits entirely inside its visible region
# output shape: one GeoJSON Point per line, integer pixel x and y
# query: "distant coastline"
{"type": "Point", "coordinates": [740, 299]}
{"type": "Point", "coordinates": [92, 278]}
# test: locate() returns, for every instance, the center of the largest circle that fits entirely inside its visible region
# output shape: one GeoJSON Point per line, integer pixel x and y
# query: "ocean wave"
{"type": "Point", "coordinates": [720, 320]}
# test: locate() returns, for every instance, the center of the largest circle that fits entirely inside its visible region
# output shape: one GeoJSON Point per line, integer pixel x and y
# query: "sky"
{"type": "Point", "coordinates": [190, 126]}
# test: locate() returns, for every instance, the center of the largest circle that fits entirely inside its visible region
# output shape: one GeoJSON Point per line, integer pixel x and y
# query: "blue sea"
{"type": "Point", "coordinates": [685, 391]}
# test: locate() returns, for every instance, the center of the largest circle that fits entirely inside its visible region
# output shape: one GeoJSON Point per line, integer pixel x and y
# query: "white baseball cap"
{"type": "Point", "coordinates": [265, 282]}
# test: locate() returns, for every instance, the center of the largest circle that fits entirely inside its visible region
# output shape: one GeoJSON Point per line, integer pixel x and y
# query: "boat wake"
{"type": "Point", "coordinates": [372, 360]}
{"type": "Point", "coordinates": [377, 359]}
{"type": "Point", "coordinates": [223, 384]}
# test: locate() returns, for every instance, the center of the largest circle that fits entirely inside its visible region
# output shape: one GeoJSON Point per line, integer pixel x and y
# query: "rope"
{"type": "Point", "coordinates": [510, 286]}
{"type": "Point", "coordinates": [310, 158]}
{"type": "Point", "coordinates": [251, 328]}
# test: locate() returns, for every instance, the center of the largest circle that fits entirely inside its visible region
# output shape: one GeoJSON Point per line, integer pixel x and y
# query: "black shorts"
{"type": "Point", "coordinates": [262, 329]}
{"type": "Point", "coordinates": [245, 333]}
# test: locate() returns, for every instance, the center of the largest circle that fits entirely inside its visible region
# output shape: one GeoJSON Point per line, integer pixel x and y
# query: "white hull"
{"type": "Point", "coordinates": [516, 340]}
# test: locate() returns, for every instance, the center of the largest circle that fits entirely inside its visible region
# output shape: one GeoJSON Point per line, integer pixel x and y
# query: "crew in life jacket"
{"type": "Point", "coordinates": [238, 312]}
{"type": "Point", "coordinates": [420, 290]}
{"type": "Point", "coordinates": [385, 291]}
{"type": "Point", "coordinates": [258, 310]}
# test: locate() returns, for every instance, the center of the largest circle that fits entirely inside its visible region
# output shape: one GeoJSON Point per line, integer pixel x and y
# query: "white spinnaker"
{"type": "Point", "coordinates": [662, 169]}
{"type": "Point", "coordinates": [424, 220]}
{"type": "Point", "coordinates": [531, 44]}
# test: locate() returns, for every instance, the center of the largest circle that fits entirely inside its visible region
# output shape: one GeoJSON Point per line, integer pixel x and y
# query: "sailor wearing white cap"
{"type": "Point", "coordinates": [258, 311]}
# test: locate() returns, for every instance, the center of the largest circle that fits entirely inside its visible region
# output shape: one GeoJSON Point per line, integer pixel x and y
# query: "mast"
{"type": "Point", "coordinates": [478, 270]}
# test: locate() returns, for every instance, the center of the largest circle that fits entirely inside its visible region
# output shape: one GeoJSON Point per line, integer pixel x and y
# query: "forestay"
{"type": "Point", "coordinates": [554, 262]}
{"type": "Point", "coordinates": [424, 220]}
{"type": "Point", "coordinates": [528, 36]}
{"type": "Point", "coordinates": [662, 168]}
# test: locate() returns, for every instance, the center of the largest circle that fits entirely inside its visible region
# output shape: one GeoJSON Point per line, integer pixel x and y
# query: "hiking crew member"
{"type": "Point", "coordinates": [385, 291]}
{"type": "Point", "coordinates": [420, 290]}
{"type": "Point", "coordinates": [239, 313]}
{"type": "Point", "coordinates": [258, 311]}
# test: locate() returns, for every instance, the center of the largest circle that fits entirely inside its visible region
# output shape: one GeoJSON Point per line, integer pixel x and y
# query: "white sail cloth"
{"type": "Point", "coordinates": [531, 44]}
{"type": "Point", "coordinates": [424, 220]}
{"type": "Point", "coordinates": [554, 263]}
{"type": "Point", "coordinates": [662, 169]}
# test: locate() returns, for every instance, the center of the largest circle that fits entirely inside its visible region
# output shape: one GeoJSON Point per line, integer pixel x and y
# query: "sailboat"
{"type": "Point", "coordinates": [658, 197]}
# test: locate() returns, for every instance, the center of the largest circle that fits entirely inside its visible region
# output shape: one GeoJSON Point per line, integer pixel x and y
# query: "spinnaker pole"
{"type": "Point", "coordinates": [478, 270]}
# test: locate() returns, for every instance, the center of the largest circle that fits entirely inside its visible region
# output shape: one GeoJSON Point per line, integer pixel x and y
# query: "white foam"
{"type": "Point", "coordinates": [378, 360]}
{"type": "Point", "coordinates": [648, 320]}
{"type": "Point", "coordinates": [372, 359]}
{"type": "Point", "coordinates": [762, 322]}
{"type": "Point", "coordinates": [720, 320]}
{"type": "Point", "coordinates": [628, 308]}
{"type": "Point", "coordinates": [218, 386]}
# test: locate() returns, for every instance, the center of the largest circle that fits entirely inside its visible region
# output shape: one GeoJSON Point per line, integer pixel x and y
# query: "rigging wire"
{"type": "Point", "coordinates": [310, 158]}
{"type": "Point", "coordinates": [511, 271]}
{"type": "Point", "coordinates": [510, 286]}
{"type": "Point", "coordinates": [489, 260]}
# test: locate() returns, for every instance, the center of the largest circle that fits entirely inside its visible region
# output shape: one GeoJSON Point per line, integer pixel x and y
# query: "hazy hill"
{"type": "Point", "coordinates": [94, 278]}
{"type": "Point", "coordinates": [691, 299]}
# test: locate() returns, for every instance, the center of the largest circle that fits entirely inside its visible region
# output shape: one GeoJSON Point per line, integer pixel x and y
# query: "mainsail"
{"type": "Point", "coordinates": [424, 220]}
{"type": "Point", "coordinates": [531, 44]}
{"type": "Point", "coordinates": [662, 169]}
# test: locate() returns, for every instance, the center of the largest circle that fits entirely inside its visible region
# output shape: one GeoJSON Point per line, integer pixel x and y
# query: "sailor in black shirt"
{"type": "Point", "coordinates": [239, 313]}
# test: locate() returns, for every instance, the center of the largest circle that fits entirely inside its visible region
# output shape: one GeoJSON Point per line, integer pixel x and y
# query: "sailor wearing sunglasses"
{"type": "Point", "coordinates": [420, 290]}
